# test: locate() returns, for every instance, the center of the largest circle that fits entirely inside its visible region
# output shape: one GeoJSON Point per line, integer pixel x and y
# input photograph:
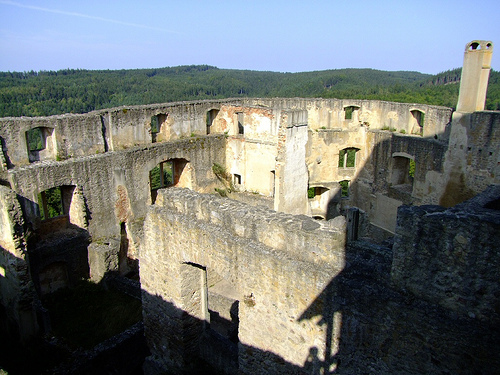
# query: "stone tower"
{"type": "Point", "coordinates": [475, 75]}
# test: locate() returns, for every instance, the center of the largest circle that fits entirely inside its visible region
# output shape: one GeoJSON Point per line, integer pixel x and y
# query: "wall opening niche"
{"type": "Point", "coordinates": [403, 172]}
{"type": "Point", "coordinates": [417, 122]}
{"type": "Point", "coordinates": [211, 116]}
{"type": "Point", "coordinates": [39, 144]}
{"type": "Point", "coordinates": [157, 122]}
{"type": "Point", "coordinates": [347, 157]}
{"type": "Point", "coordinates": [211, 309]}
{"type": "Point", "coordinates": [351, 113]}
{"type": "Point", "coordinates": [240, 119]}
{"type": "Point", "coordinates": [172, 172]}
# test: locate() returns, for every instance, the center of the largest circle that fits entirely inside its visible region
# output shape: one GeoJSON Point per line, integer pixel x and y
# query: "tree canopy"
{"type": "Point", "coordinates": [47, 93]}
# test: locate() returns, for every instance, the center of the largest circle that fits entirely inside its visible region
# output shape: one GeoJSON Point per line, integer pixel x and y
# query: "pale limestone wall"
{"type": "Point", "coordinates": [260, 252]}
{"type": "Point", "coordinates": [475, 75]}
{"type": "Point", "coordinates": [252, 154]}
{"type": "Point", "coordinates": [75, 135]}
{"type": "Point", "coordinates": [291, 168]}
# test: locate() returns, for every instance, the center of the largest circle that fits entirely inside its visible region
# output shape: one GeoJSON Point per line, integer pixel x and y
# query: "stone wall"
{"type": "Point", "coordinates": [115, 185]}
{"type": "Point", "coordinates": [17, 293]}
{"type": "Point", "coordinates": [450, 256]}
{"type": "Point", "coordinates": [258, 251]}
{"type": "Point", "coordinates": [306, 309]}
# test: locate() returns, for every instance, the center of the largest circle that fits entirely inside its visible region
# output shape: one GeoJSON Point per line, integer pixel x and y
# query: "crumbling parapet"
{"type": "Point", "coordinates": [450, 256]}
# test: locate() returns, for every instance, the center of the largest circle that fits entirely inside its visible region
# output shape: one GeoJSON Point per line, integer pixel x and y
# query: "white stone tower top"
{"type": "Point", "coordinates": [475, 75]}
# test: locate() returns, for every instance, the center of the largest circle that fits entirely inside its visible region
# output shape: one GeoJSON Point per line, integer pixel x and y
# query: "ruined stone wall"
{"type": "Point", "coordinates": [75, 135]}
{"type": "Point", "coordinates": [16, 289]}
{"type": "Point", "coordinates": [115, 185]}
{"type": "Point", "coordinates": [258, 251]}
{"type": "Point", "coordinates": [450, 256]}
{"type": "Point", "coordinates": [471, 161]}
{"type": "Point", "coordinates": [306, 310]}
{"type": "Point", "coordinates": [330, 114]}
{"type": "Point", "coordinates": [291, 169]}
{"type": "Point", "coordinates": [250, 155]}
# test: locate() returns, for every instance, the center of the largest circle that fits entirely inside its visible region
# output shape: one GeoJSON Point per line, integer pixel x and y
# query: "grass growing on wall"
{"type": "Point", "coordinates": [87, 315]}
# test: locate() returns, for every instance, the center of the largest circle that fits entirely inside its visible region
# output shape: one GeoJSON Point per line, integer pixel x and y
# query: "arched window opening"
{"type": "Point", "coordinates": [417, 125]}
{"type": "Point", "coordinates": [351, 112]}
{"type": "Point", "coordinates": [403, 171]}
{"type": "Point", "coordinates": [211, 116]}
{"type": "Point", "coordinates": [475, 46]}
{"type": "Point", "coordinates": [344, 188]}
{"type": "Point", "coordinates": [347, 157]}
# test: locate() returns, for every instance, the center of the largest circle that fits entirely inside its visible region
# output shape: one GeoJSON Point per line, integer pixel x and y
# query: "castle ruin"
{"type": "Point", "coordinates": [361, 236]}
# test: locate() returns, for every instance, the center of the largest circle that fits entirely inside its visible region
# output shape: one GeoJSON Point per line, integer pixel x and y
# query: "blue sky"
{"type": "Point", "coordinates": [283, 36]}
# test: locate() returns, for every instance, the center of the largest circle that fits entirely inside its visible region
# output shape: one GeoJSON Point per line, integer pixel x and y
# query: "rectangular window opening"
{"type": "Point", "coordinates": [344, 188]}
{"type": "Point", "coordinates": [36, 140]}
{"type": "Point", "coordinates": [241, 128]}
{"type": "Point", "coordinates": [237, 179]}
{"type": "Point", "coordinates": [51, 203]}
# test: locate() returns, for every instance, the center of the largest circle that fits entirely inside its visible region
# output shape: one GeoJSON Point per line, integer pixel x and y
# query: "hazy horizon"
{"type": "Point", "coordinates": [292, 36]}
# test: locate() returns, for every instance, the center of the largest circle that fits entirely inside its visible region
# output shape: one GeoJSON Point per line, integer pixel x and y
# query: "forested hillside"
{"type": "Point", "coordinates": [77, 91]}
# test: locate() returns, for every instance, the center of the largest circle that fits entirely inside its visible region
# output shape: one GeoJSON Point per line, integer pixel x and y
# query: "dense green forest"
{"type": "Point", "coordinates": [78, 91]}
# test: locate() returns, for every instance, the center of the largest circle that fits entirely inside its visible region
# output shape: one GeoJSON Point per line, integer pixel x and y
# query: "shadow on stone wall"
{"type": "Point", "coordinates": [370, 327]}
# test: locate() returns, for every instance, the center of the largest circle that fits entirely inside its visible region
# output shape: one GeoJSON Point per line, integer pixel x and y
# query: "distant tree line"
{"type": "Point", "coordinates": [78, 91]}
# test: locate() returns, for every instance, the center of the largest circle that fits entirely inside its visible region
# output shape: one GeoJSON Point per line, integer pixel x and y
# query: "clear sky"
{"type": "Point", "coordinates": [284, 36]}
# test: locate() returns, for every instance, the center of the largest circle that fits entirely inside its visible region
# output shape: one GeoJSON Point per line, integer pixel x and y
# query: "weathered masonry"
{"type": "Point", "coordinates": [359, 234]}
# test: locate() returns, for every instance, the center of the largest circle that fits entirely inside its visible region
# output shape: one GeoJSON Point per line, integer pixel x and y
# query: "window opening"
{"type": "Point", "coordinates": [419, 118]}
{"type": "Point", "coordinates": [156, 122]}
{"type": "Point", "coordinates": [241, 128]}
{"type": "Point", "coordinates": [237, 179]}
{"type": "Point", "coordinates": [36, 140]}
{"type": "Point", "coordinates": [315, 191]}
{"type": "Point", "coordinates": [169, 173]}
{"type": "Point", "coordinates": [211, 115]}
{"type": "Point", "coordinates": [310, 193]}
{"type": "Point", "coordinates": [475, 46]}
{"type": "Point", "coordinates": [347, 158]}
{"type": "Point", "coordinates": [403, 171]}
{"type": "Point", "coordinates": [162, 175]}
{"type": "Point", "coordinates": [51, 203]}
{"type": "Point", "coordinates": [349, 112]}
{"type": "Point", "coordinates": [344, 188]}
{"type": "Point", "coordinates": [155, 128]}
